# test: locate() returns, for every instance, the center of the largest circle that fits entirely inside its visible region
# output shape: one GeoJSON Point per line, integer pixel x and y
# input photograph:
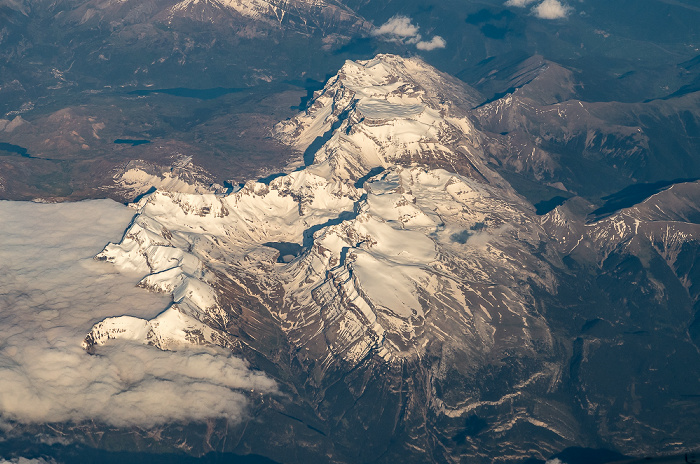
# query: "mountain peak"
{"type": "Point", "coordinates": [385, 111]}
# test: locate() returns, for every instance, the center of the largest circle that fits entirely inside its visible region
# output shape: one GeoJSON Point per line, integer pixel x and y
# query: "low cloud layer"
{"type": "Point", "coordinates": [547, 9]}
{"type": "Point", "coordinates": [52, 292]}
{"type": "Point", "coordinates": [401, 29]}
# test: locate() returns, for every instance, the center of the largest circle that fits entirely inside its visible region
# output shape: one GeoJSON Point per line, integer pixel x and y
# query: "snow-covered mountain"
{"type": "Point", "coordinates": [396, 262]}
{"type": "Point", "coordinates": [434, 254]}
{"type": "Point", "coordinates": [388, 111]}
{"type": "Point", "coordinates": [413, 255]}
{"type": "Point", "coordinates": [302, 14]}
{"type": "Point", "coordinates": [249, 17]}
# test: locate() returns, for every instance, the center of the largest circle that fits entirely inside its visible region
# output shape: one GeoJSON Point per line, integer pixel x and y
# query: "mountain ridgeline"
{"type": "Point", "coordinates": [407, 296]}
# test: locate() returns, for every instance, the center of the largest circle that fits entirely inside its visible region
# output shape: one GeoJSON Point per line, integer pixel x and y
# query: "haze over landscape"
{"type": "Point", "coordinates": [349, 231]}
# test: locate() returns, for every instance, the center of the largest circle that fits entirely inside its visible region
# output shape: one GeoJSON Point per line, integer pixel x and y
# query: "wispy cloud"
{"type": "Point", "coordinates": [520, 3]}
{"type": "Point", "coordinates": [551, 9]}
{"type": "Point", "coordinates": [52, 292]}
{"type": "Point", "coordinates": [401, 29]}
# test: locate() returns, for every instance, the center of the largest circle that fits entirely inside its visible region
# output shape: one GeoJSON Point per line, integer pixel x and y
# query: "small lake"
{"type": "Point", "coordinates": [16, 149]}
{"type": "Point", "coordinates": [132, 142]}
{"type": "Point", "coordinates": [201, 94]}
{"type": "Point", "coordinates": [288, 250]}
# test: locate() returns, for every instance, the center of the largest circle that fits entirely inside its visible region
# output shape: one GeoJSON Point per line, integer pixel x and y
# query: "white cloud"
{"type": "Point", "coordinates": [401, 29]}
{"type": "Point", "coordinates": [51, 294]}
{"type": "Point", "coordinates": [399, 26]}
{"type": "Point", "coordinates": [548, 9]}
{"type": "Point", "coordinates": [555, 461]}
{"type": "Point", "coordinates": [551, 9]}
{"type": "Point", "coordinates": [432, 44]}
{"type": "Point", "coordinates": [519, 3]}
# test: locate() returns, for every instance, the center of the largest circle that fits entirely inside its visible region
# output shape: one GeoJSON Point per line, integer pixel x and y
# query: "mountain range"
{"type": "Point", "coordinates": [479, 252]}
{"type": "Point", "coordinates": [398, 266]}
